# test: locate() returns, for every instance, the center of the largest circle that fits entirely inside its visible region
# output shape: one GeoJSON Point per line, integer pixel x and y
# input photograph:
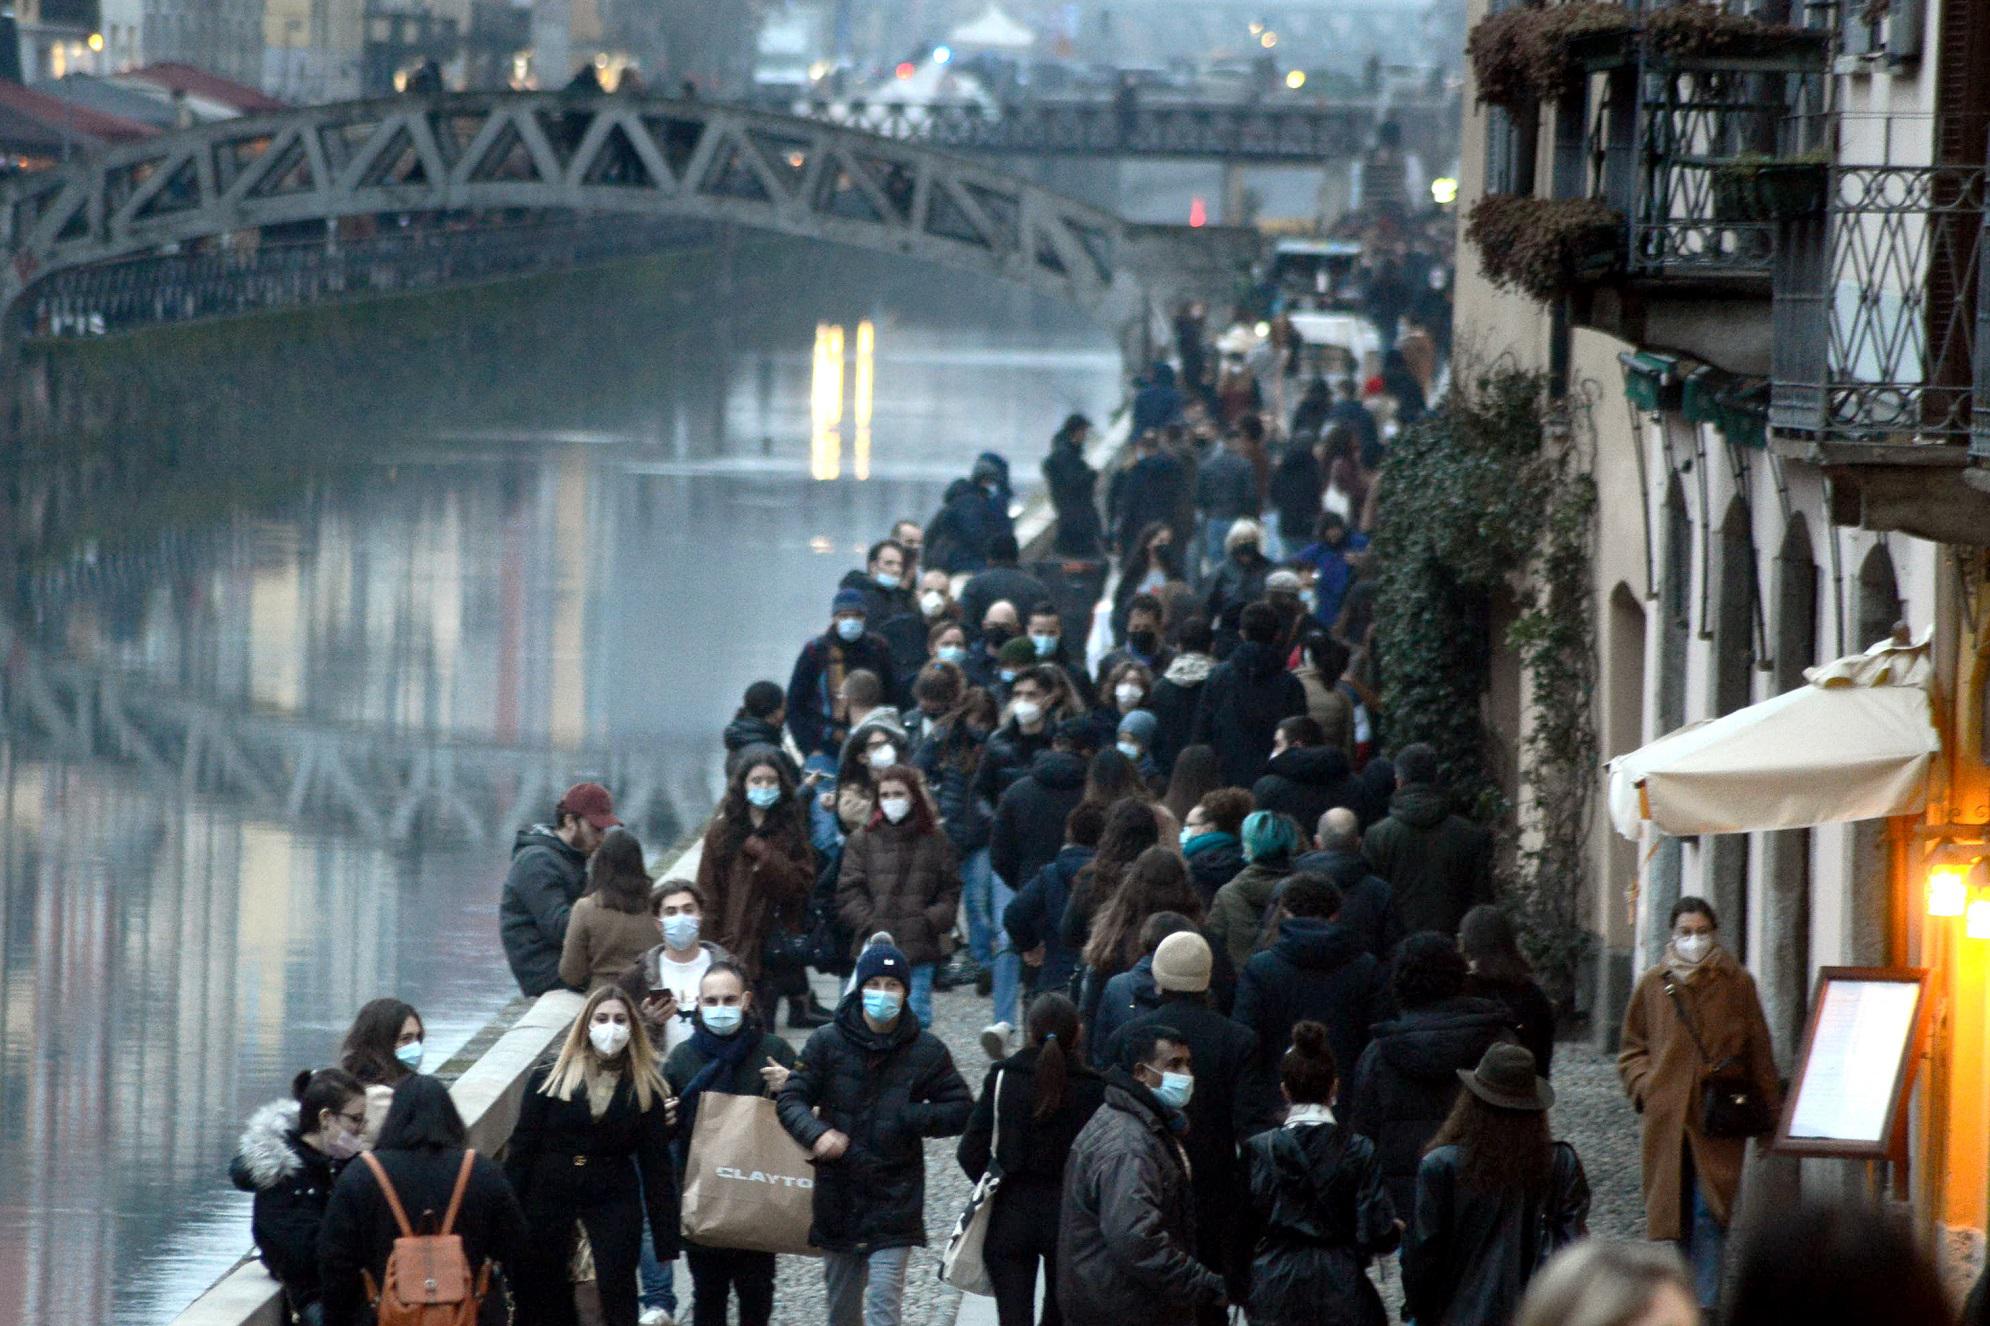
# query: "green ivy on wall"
{"type": "Point", "coordinates": [1488, 498]}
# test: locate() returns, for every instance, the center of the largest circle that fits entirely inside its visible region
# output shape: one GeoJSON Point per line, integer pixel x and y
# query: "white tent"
{"type": "Point", "coordinates": [1856, 743]}
{"type": "Point", "coordinates": [993, 30]}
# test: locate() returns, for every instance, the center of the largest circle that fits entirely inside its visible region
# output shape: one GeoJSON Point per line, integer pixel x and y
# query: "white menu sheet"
{"type": "Point", "coordinates": [1855, 1059]}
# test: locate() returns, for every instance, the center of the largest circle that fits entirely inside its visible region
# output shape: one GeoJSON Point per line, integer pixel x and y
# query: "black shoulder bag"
{"type": "Point", "coordinates": [1730, 1103]}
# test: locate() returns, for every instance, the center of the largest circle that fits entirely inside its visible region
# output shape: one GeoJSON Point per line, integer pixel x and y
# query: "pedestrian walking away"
{"type": "Point", "coordinates": [611, 925]}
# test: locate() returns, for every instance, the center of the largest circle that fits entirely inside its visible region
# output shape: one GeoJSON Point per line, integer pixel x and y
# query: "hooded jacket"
{"type": "Point", "coordinates": [1315, 970]}
{"type": "Point", "coordinates": [1036, 916]}
{"type": "Point", "coordinates": [1319, 1215]}
{"type": "Point", "coordinates": [292, 1182]}
{"type": "Point", "coordinates": [1029, 820]}
{"type": "Point", "coordinates": [1364, 897]}
{"type": "Point", "coordinates": [1125, 997]}
{"type": "Point", "coordinates": [1234, 583]}
{"type": "Point", "coordinates": [1177, 697]}
{"type": "Point", "coordinates": [1405, 1082]}
{"type": "Point", "coordinates": [950, 756]}
{"type": "Point", "coordinates": [1306, 782]}
{"type": "Point", "coordinates": [1237, 915]}
{"type": "Point", "coordinates": [887, 1092]}
{"type": "Point", "coordinates": [545, 880]}
{"type": "Point", "coordinates": [1245, 699]}
{"type": "Point", "coordinates": [1126, 1248]}
{"type": "Point", "coordinates": [1214, 859]}
{"type": "Point", "coordinates": [1439, 865]}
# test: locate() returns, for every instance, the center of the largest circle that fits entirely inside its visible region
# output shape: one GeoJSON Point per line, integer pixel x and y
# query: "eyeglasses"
{"type": "Point", "coordinates": [354, 1122]}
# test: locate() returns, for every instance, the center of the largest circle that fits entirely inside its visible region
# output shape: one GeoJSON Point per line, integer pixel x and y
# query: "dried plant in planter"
{"type": "Point", "coordinates": [1543, 247]}
{"type": "Point", "coordinates": [1523, 55]}
{"type": "Point", "coordinates": [1696, 29]}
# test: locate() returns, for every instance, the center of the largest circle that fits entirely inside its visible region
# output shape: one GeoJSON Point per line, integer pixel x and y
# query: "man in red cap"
{"type": "Point", "coordinates": [548, 872]}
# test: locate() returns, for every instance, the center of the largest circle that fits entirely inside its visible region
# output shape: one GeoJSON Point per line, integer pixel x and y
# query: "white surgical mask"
{"type": "Point", "coordinates": [932, 602]}
{"type": "Point", "coordinates": [850, 628]}
{"type": "Point", "coordinates": [1694, 947]}
{"type": "Point", "coordinates": [882, 757]}
{"type": "Point", "coordinates": [1128, 749]}
{"type": "Point", "coordinates": [608, 1038]}
{"type": "Point", "coordinates": [1129, 693]}
{"type": "Point", "coordinates": [1028, 711]}
{"type": "Point", "coordinates": [895, 808]}
{"type": "Point", "coordinates": [885, 580]}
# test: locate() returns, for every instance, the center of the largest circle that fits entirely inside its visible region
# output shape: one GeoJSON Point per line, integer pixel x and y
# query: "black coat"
{"type": "Point", "coordinates": [1126, 1248]}
{"type": "Point", "coordinates": [1294, 492]}
{"type": "Point", "coordinates": [887, 1092]}
{"type": "Point", "coordinates": [293, 1184]}
{"type": "Point", "coordinates": [546, 877]}
{"type": "Point", "coordinates": [811, 699]}
{"type": "Point", "coordinates": [360, 1230]}
{"type": "Point", "coordinates": [1176, 700]}
{"type": "Point", "coordinates": [1314, 970]}
{"type": "Point", "coordinates": [984, 589]}
{"type": "Point", "coordinates": [567, 1166]}
{"type": "Point", "coordinates": [746, 731]}
{"type": "Point", "coordinates": [1364, 897]}
{"type": "Point", "coordinates": [880, 604]}
{"type": "Point", "coordinates": [1214, 865]}
{"type": "Point", "coordinates": [1306, 782]}
{"type": "Point", "coordinates": [1006, 758]}
{"type": "Point", "coordinates": [1318, 1215]}
{"type": "Point", "coordinates": [1036, 916]}
{"type": "Point", "coordinates": [1470, 1252]}
{"type": "Point", "coordinates": [1220, 1053]}
{"type": "Point", "coordinates": [1029, 820]}
{"type": "Point", "coordinates": [1151, 491]}
{"type": "Point", "coordinates": [950, 755]}
{"type": "Point", "coordinates": [687, 1061]}
{"type": "Point", "coordinates": [1528, 1013]}
{"type": "Point", "coordinates": [1234, 583]}
{"type": "Point", "coordinates": [1246, 698]}
{"type": "Point", "coordinates": [1405, 1082]}
{"type": "Point", "coordinates": [1033, 1151]}
{"type": "Point", "coordinates": [1074, 487]}
{"type": "Point", "coordinates": [1439, 865]}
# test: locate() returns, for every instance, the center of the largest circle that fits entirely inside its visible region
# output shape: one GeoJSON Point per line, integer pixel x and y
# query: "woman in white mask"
{"type": "Point", "coordinates": [1695, 1020]}
{"type": "Point", "coordinates": [730, 1053]}
{"type": "Point", "coordinates": [900, 874]}
{"type": "Point", "coordinates": [590, 1158]}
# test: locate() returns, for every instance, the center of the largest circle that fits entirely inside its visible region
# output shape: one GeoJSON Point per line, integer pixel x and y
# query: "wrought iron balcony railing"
{"type": "Point", "coordinates": [1882, 310]}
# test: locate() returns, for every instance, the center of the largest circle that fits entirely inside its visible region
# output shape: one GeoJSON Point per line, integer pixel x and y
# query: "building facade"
{"type": "Point", "coordinates": [1775, 346]}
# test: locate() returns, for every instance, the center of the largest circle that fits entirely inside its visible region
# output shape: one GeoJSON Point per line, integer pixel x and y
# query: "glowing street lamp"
{"type": "Point", "coordinates": [1948, 890]}
{"type": "Point", "coordinates": [1268, 40]}
{"type": "Point", "coordinates": [1296, 79]}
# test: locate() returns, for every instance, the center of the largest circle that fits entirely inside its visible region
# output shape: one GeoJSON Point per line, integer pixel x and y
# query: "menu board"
{"type": "Point", "coordinates": [1857, 1062]}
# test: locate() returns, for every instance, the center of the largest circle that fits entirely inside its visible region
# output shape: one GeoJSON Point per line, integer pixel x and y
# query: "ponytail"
{"type": "Point", "coordinates": [1053, 1029]}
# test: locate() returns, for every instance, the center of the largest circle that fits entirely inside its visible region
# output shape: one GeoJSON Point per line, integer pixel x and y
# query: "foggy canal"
{"type": "Point", "coordinates": [496, 601]}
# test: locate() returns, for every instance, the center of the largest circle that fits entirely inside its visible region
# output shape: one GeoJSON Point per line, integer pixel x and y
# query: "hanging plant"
{"type": "Point", "coordinates": [1544, 247]}
{"type": "Point", "coordinates": [1530, 54]}
{"type": "Point", "coordinates": [1698, 30]}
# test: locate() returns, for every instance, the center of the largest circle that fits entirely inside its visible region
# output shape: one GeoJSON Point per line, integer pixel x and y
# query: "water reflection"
{"type": "Point", "coordinates": [266, 717]}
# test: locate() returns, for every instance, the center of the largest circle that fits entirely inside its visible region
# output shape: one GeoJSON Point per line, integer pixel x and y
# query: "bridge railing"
{"type": "Point", "coordinates": [156, 289]}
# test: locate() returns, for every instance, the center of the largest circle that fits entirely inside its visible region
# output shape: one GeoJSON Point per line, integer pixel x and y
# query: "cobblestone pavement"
{"type": "Point", "coordinates": [1590, 1112]}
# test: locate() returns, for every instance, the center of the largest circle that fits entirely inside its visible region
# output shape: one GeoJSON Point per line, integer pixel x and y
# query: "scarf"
{"type": "Point", "coordinates": [1202, 842]}
{"type": "Point", "coordinates": [1300, 1116]}
{"type": "Point", "coordinates": [1188, 669]}
{"type": "Point", "coordinates": [1682, 970]}
{"type": "Point", "coordinates": [723, 1056]}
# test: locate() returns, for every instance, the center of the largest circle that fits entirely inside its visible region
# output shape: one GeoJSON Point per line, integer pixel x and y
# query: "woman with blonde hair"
{"type": "Point", "coordinates": [1596, 1283]}
{"type": "Point", "coordinates": [590, 1158]}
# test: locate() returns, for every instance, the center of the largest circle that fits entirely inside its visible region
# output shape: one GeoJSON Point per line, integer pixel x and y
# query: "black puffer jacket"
{"type": "Point", "coordinates": [1364, 897]}
{"type": "Point", "coordinates": [293, 1186]}
{"type": "Point", "coordinates": [1405, 1082]}
{"type": "Point", "coordinates": [950, 755]}
{"type": "Point", "coordinates": [1319, 1214]}
{"type": "Point", "coordinates": [1470, 1252]}
{"type": "Point", "coordinates": [1126, 1249]}
{"type": "Point", "coordinates": [885, 1091]}
{"type": "Point", "coordinates": [1306, 782]}
{"type": "Point", "coordinates": [1242, 705]}
{"type": "Point", "coordinates": [1029, 820]}
{"type": "Point", "coordinates": [1315, 970]}
{"type": "Point", "coordinates": [1007, 758]}
{"type": "Point", "coordinates": [746, 732]}
{"type": "Point", "coordinates": [546, 877]}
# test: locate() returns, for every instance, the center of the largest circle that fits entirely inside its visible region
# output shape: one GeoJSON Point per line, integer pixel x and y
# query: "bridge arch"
{"type": "Point", "coordinates": [652, 156]}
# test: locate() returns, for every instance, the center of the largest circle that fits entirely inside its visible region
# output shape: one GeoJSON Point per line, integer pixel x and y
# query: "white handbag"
{"type": "Point", "coordinates": [962, 1264]}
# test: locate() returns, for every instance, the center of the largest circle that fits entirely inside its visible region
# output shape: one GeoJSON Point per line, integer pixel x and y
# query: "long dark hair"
{"type": "Point", "coordinates": [1486, 938]}
{"type": "Point", "coordinates": [1156, 882]}
{"type": "Point", "coordinates": [423, 1117]}
{"type": "Point", "coordinates": [786, 826]}
{"type": "Point", "coordinates": [1499, 1150]}
{"type": "Point", "coordinates": [1130, 830]}
{"type": "Point", "coordinates": [1171, 556]}
{"type": "Point", "coordinates": [368, 1052]}
{"type": "Point", "coordinates": [1053, 1029]}
{"type": "Point", "coordinates": [1112, 778]}
{"type": "Point", "coordinates": [1196, 774]}
{"type": "Point", "coordinates": [616, 876]}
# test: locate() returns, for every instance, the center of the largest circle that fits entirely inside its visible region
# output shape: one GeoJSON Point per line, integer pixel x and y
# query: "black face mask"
{"type": "Point", "coordinates": [1143, 642]}
{"type": "Point", "coordinates": [997, 636]}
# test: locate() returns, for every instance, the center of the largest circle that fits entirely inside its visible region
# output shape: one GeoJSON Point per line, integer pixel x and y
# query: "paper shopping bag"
{"type": "Point", "coordinates": [747, 1184]}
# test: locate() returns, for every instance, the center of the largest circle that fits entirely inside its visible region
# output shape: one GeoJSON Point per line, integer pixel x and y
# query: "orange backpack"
{"type": "Point", "coordinates": [428, 1276]}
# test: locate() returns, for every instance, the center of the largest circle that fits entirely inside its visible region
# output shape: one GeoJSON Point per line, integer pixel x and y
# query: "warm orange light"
{"type": "Point", "coordinates": [1948, 890]}
{"type": "Point", "coordinates": [1198, 212]}
{"type": "Point", "coordinates": [905, 69]}
{"type": "Point", "coordinates": [1977, 924]}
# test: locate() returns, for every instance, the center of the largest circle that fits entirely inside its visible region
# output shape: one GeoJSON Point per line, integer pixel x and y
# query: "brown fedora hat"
{"type": "Point", "coordinates": [1505, 1079]}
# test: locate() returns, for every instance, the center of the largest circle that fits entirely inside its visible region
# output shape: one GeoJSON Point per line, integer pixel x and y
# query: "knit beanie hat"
{"type": "Point", "coordinates": [847, 600]}
{"type": "Point", "coordinates": [1017, 653]}
{"type": "Point", "coordinates": [884, 960]}
{"type": "Point", "coordinates": [1141, 725]}
{"type": "Point", "coordinates": [1182, 963]}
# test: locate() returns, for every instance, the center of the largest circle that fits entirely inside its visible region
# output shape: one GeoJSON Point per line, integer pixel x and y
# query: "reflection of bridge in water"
{"type": "Point", "coordinates": [391, 785]}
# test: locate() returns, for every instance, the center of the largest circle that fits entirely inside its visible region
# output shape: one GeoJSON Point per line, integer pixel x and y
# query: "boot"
{"type": "Point", "coordinates": [806, 1015]}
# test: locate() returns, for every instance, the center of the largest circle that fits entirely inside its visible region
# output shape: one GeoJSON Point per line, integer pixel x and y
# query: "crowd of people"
{"type": "Point", "coordinates": [1255, 1017]}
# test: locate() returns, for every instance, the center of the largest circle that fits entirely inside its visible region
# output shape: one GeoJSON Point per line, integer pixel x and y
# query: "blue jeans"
{"type": "Point", "coordinates": [658, 1279]}
{"type": "Point", "coordinates": [984, 921]}
{"type": "Point", "coordinates": [1705, 1243]}
{"type": "Point", "coordinates": [866, 1290]}
{"type": "Point", "coordinates": [1008, 962]}
{"type": "Point", "coordinates": [1213, 533]}
{"type": "Point", "coordinates": [825, 831]}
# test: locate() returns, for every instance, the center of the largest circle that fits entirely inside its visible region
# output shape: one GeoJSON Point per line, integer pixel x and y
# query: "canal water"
{"type": "Point", "coordinates": [218, 661]}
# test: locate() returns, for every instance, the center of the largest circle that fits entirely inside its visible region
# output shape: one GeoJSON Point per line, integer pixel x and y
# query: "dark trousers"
{"type": "Point", "coordinates": [1021, 1230]}
{"type": "Point", "coordinates": [614, 1230]}
{"type": "Point", "coordinates": [716, 1272]}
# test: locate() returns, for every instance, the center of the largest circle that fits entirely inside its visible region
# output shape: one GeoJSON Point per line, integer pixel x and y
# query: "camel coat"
{"type": "Point", "coordinates": [750, 893]}
{"type": "Point", "coordinates": [1662, 1071]}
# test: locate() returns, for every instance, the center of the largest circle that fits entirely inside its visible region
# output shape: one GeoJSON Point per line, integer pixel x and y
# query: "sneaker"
{"type": "Point", "coordinates": [995, 1040]}
{"type": "Point", "coordinates": [655, 1317]}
